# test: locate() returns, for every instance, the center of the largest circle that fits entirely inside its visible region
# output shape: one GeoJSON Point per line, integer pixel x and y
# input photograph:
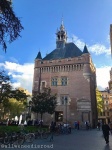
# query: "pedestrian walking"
{"type": "Point", "coordinates": [75, 124]}
{"type": "Point", "coordinates": [87, 125]}
{"type": "Point", "coordinates": [98, 125]}
{"type": "Point", "coordinates": [106, 129]}
{"type": "Point", "coordinates": [52, 128]}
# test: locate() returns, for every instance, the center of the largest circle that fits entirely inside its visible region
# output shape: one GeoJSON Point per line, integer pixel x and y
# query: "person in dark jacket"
{"type": "Point", "coordinates": [106, 129]}
{"type": "Point", "coordinates": [52, 128]}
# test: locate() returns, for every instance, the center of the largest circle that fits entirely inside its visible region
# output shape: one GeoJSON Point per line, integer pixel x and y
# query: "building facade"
{"type": "Point", "coordinates": [110, 95]}
{"type": "Point", "coordinates": [106, 114]}
{"type": "Point", "coordinates": [71, 74]}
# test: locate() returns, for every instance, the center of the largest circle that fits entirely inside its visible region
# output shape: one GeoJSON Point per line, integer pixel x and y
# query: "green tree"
{"type": "Point", "coordinates": [6, 90]}
{"type": "Point", "coordinates": [11, 108]}
{"type": "Point", "coordinates": [15, 107]}
{"type": "Point", "coordinates": [10, 25]}
{"type": "Point", "coordinates": [44, 102]}
{"type": "Point", "coordinates": [100, 102]}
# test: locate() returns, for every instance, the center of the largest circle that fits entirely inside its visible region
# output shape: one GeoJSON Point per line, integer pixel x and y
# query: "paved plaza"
{"type": "Point", "coordinates": [78, 140]}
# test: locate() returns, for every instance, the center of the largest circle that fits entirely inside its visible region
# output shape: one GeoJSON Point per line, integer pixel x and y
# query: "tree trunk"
{"type": "Point", "coordinates": [41, 123]}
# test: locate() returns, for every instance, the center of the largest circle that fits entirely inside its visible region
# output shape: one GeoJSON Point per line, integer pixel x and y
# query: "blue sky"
{"type": "Point", "coordinates": [86, 21]}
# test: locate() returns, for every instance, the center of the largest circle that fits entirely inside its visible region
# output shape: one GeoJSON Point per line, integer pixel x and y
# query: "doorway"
{"type": "Point", "coordinates": [58, 116]}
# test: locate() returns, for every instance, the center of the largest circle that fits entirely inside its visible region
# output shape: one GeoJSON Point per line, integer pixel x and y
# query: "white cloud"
{"type": "Point", "coordinates": [22, 74]}
{"type": "Point", "coordinates": [103, 76]}
{"type": "Point", "coordinates": [80, 44]}
{"type": "Point", "coordinates": [26, 68]}
{"type": "Point", "coordinates": [97, 49]}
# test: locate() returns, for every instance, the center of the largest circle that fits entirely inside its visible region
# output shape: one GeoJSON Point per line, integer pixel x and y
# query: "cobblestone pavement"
{"type": "Point", "coordinates": [78, 140]}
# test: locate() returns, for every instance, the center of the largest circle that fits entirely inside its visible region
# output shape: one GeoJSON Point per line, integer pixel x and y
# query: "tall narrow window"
{"type": "Point", "coordinates": [43, 85]}
{"type": "Point", "coordinates": [63, 81]}
{"type": "Point", "coordinates": [64, 100]}
{"type": "Point", "coordinates": [54, 81]}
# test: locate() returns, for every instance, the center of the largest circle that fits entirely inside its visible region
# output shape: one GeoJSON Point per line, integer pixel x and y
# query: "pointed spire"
{"type": "Point", "coordinates": [62, 28]}
{"type": "Point", "coordinates": [39, 55]}
{"type": "Point", "coordinates": [85, 49]}
{"type": "Point", "coordinates": [62, 20]}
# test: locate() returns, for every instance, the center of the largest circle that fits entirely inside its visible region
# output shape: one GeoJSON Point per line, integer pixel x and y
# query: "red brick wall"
{"type": "Point", "coordinates": [78, 86]}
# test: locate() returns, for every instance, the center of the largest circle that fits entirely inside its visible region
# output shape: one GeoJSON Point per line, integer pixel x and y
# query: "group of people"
{"type": "Point", "coordinates": [86, 124]}
{"type": "Point", "coordinates": [106, 128]}
{"type": "Point", "coordinates": [24, 122]}
{"type": "Point", "coordinates": [61, 128]}
{"type": "Point", "coordinates": [35, 122]}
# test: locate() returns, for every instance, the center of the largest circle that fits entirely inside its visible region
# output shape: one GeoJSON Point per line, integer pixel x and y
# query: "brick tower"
{"type": "Point", "coordinates": [71, 74]}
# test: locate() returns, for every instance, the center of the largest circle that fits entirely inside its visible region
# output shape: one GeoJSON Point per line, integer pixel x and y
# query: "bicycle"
{"type": "Point", "coordinates": [4, 138]}
{"type": "Point", "coordinates": [28, 136]}
{"type": "Point", "coordinates": [41, 134]}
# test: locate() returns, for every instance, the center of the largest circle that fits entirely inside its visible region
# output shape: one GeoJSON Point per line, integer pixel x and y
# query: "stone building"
{"type": "Point", "coordinates": [110, 95]}
{"type": "Point", "coordinates": [106, 114]}
{"type": "Point", "coordinates": [71, 74]}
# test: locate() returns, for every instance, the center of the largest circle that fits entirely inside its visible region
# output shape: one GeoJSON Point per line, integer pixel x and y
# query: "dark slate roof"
{"type": "Point", "coordinates": [70, 50]}
{"type": "Point", "coordinates": [85, 49]}
{"type": "Point", "coordinates": [39, 56]}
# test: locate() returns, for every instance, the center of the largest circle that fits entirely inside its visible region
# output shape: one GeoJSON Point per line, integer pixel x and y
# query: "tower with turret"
{"type": "Point", "coordinates": [71, 74]}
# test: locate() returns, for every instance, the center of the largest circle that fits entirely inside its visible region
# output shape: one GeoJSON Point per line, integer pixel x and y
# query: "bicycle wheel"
{"type": "Point", "coordinates": [37, 135]}
{"type": "Point", "coordinates": [21, 140]}
{"type": "Point", "coordinates": [45, 135]}
{"type": "Point", "coordinates": [6, 140]}
{"type": "Point", "coordinates": [29, 137]}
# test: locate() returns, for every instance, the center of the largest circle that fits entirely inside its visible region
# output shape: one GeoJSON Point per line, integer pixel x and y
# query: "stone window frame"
{"type": "Point", "coordinates": [54, 81]}
{"type": "Point", "coordinates": [42, 87]}
{"type": "Point", "coordinates": [64, 80]}
{"type": "Point", "coordinates": [62, 99]}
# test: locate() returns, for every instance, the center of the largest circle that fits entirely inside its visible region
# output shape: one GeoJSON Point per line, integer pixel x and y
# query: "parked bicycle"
{"type": "Point", "coordinates": [41, 134]}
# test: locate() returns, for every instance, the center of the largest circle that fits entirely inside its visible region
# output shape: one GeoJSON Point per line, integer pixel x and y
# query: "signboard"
{"type": "Point", "coordinates": [84, 104]}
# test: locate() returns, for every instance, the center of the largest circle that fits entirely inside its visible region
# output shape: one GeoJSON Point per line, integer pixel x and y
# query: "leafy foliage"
{"type": "Point", "coordinates": [12, 101]}
{"type": "Point", "coordinates": [11, 108]}
{"type": "Point", "coordinates": [10, 25]}
{"type": "Point", "coordinates": [6, 90]}
{"type": "Point", "coordinates": [44, 102]}
{"type": "Point", "coordinates": [100, 102]}
{"type": "Point", "coordinates": [15, 107]}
